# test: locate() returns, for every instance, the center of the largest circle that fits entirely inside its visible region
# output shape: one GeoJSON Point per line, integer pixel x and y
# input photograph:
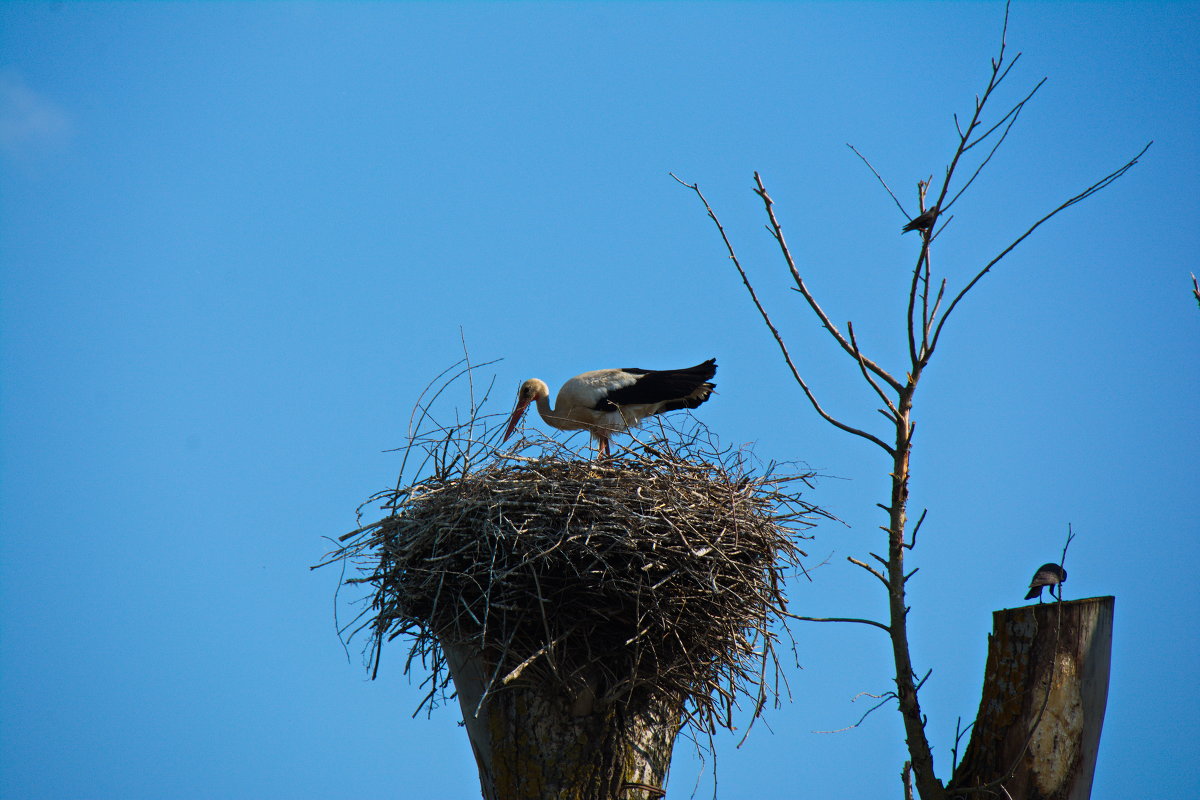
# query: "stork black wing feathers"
{"type": "Point", "coordinates": [679, 388]}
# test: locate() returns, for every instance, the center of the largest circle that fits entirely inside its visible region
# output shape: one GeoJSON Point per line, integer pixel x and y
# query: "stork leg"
{"type": "Point", "coordinates": [602, 446]}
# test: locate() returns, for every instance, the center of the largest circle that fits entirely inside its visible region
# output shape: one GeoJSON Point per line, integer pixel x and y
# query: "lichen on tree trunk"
{"type": "Point", "coordinates": [534, 741]}
{"type": "Point", "coordinates": [1042, 708]}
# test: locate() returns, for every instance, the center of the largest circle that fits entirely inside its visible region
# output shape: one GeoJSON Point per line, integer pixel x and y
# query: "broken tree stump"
{"type": "Point", "coordinates": [1045, 689]}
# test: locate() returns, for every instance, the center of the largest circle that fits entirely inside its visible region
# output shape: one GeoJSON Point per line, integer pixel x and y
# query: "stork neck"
{"type": "Point", "coordinates": [554, 417]}
{"type": "Point", "coordinates": [543, 407]}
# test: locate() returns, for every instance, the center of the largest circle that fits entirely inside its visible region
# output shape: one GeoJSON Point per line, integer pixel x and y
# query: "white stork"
{"type": "Point", "coordinates": [608, 401]}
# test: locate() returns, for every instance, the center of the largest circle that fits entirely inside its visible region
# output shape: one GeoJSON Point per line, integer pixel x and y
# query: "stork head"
{"type": "Point", "coordinates": [529, 392]}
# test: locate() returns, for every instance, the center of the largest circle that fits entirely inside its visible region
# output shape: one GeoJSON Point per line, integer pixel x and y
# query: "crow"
{"type": "Point", "coordinates": [922, 223]}
{"type": "Point", "coordinates": [1051, 575]}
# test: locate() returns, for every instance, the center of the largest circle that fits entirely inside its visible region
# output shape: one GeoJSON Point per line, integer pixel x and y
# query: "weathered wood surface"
{"type": "Point", "coordinates": [1044, 694]}
{"type": "Point", "coordinates": [534, 742]}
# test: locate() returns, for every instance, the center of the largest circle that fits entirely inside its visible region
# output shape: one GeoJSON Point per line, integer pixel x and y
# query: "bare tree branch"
{"type": "Point", "coordinates": [925, 279]}
{"type": "Point", "coordinates": [1086, 193]}
{"type": "Point", "coordinates": [1011, 116]}
{"type": "Point", "coordinates": [1062, 562]}
{"type": "Point", "coordinates": [882, 182]}
{"type": "Point", "coordinates": [891, 413]}
{"type": "Point", "coordinates": [998, 75]}
{"type": "Point", "coordinates": [775, 331]}
{"type": "Point", "coordinates": [916, 528]}
{"type": "Point", "coordinates": [868, 568]}
{"type": "Point", "coordinates": [841, 619]}
{"type": "Point", "coordinates": [777, 232]}
{"type": "Point", "coordinates": [936, 305]}
{"type": "Point", "coordinates": [882, 698]}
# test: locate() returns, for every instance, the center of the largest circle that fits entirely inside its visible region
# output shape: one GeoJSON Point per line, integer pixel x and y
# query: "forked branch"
{"type": "Point", "coordinates": [777, 232]}
{"type": "Point", "coordinates": [1086, 193]}
{"type": "Point", "coordinates": [774, 330]}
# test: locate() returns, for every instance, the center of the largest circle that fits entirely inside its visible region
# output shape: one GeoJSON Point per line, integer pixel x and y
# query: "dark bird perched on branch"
{"type": "Point", "coordinates": [1051, 575]}
{"type": "Point", "coordinates": [608, 401]}
{"type": "Point", "coordinates": [922, 223]}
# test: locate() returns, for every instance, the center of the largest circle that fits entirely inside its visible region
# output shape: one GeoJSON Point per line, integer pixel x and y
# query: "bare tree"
{"type": "Point", "coordinates": [928, 311]}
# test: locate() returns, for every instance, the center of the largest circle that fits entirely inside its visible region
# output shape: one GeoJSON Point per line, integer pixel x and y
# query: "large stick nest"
{"type": "Point", "coordinates": [658, 573]}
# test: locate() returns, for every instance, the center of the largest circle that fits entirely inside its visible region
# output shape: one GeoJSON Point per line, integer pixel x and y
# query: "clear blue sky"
{"type": "Point", "coordinates": [236, 240]}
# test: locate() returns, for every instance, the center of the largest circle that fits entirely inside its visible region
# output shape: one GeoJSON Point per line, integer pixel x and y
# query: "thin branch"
{"type": "Point", "coordinates": [916, 528]}
{"type": "Point", "coordinates": [868, 568]}
{"type": "Point", "coordinates": [840, 619]}
{"type": "Point", "coordinates": [1062, 562]}
{"type": "Point", "coordinates": [959, 732]}
{"type": "Point", "coordinates": [775, 331]}
{"type": "Point", "coordinates": [914, 357]}
{"type": "Point", "coordinates": [882, 182]}
{"type": "Point", "coordinates": [925, 278]}
{"type": "Point", "coordinates": [1086, 193]}
{"type": "Point", "coordinates": [777, 233]}
{"type": "Point", "coordinates": [937, 303]}
{"type": "Point", "coordinates": [980, 102]}
{"type": "Point", "coordinates": [1011, 116]}
{"type": "Point", "coordinates": [1013, 63]}
{"type": "Point", "coordinates": [895, 415]}
{"type": "Point", "coordinates": [882, 698]}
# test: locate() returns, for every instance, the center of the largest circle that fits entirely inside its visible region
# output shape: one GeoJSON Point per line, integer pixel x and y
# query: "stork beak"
{"type": "Point", "coordinates": [518, 412]}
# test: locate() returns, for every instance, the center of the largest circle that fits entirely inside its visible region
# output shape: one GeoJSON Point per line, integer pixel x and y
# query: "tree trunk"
{"type": "Point", "coordinates": [1044, 693]}
{"type": "Point", "coordinates": [532, 741]}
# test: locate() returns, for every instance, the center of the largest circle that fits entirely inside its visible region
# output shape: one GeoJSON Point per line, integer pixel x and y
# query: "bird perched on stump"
{"type": "Point", "coordinates": [1051, 575]}
{"type": "Point", "coordinates": [608, 401]}
{"type": "Point", "coordinates": [924, 222]}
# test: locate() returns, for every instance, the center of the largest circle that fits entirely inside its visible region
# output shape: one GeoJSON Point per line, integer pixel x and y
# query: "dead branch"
{"type": "Point", "coordinates": [879, 625]}
{"type": "Point", "coordinates": [777, 233]}
{"type": "Point", "coordinates": [1083, 195]}
{"type": "Point", "coordinates": [771, 325]}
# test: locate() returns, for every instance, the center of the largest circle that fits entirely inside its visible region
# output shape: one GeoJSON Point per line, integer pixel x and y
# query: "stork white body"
{"type": "Point", "coordinates": [608, 401]}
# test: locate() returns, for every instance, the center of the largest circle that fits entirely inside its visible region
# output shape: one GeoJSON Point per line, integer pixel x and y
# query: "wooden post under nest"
{"type": "Point", "coordinates": [1044, 693]}
{"type": "Point", "coordinates": [532, 742]}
